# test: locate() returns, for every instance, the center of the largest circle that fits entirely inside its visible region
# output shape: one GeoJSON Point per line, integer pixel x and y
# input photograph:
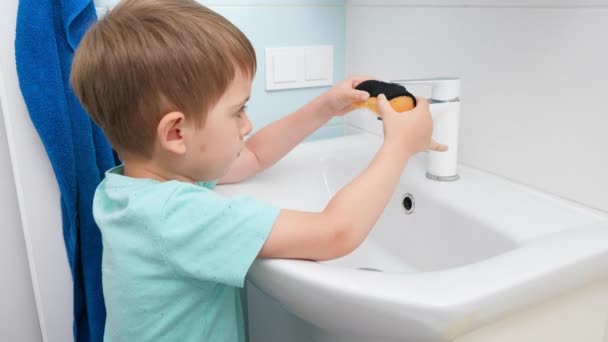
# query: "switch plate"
{"type": "Point", "coordinates": [319, 62]}
{"type": "Point", "coordinates": [286, 68]}
{"type": "Point", "coordinates": [299, 67]}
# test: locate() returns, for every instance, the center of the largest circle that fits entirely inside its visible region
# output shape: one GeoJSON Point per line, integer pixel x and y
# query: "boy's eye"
{"type": "Point", "coordinates": [241, 111]}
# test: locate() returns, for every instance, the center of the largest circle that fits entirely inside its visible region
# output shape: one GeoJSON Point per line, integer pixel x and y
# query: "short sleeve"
{"type": "Point", "coordinates": [209, 237]}
{"type": "Point", "coordinates": [209, 185]}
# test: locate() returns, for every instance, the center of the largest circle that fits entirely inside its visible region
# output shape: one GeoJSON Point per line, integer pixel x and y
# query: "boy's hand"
{"type": "Point", "coordinates": [411, 129]}
{"type": "Point", "coordinates": [340, 98]}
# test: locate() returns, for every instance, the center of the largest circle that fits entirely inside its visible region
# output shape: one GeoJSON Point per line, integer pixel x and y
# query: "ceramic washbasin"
{"type": "Point", "coordinates": [470, 251]}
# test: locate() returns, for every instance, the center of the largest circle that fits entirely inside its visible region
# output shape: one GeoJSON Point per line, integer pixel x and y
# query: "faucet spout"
{"type": "Point", "coordinates": [445, 108]}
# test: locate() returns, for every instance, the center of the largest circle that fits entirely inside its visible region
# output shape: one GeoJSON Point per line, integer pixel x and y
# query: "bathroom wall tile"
{"type": "Point", "coordinates": [533, 84]}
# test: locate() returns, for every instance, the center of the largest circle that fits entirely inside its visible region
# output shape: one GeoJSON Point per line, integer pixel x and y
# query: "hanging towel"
{"type": "Point", "coordinates": [47, 35]}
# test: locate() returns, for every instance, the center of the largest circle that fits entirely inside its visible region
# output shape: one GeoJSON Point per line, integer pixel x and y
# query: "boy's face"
{"type": "Point", "coordinates": [212, 149]}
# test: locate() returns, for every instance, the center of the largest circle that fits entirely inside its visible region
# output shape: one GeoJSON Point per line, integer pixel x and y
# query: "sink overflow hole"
{"type": "Point", "coordinates": [369, 269]}
{"type": "Point", "coordinates": [408, 203]}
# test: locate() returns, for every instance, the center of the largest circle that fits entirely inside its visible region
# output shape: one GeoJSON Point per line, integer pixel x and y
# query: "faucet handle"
{"type": "Point", "coordinates": [444, 89]}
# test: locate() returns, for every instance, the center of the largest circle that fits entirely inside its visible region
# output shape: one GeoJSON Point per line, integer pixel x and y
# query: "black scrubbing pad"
{"type": "Point", "coordinates": [390, 90]}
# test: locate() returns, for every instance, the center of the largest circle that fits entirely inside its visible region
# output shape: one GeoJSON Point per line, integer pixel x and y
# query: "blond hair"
{"type": "Point", "coordinates": [146, 58]}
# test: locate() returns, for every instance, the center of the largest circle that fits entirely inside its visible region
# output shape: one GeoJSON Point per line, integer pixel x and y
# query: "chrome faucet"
{"type": "Point", "coordinates": [445, 108]}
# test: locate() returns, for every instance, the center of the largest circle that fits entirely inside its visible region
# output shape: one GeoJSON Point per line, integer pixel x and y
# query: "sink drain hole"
{"type": "Point", "coordinates": [408, 203]}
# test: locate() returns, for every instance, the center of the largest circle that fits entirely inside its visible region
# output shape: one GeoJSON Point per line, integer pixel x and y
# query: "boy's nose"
{"type": "Point", "coordinates": [246, 126]}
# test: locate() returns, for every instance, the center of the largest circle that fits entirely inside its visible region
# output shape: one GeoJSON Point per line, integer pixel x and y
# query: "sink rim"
{"type": "Point", "coordinates": [448, 301]}
{"type": "Point", "coordinates": [437, 301]}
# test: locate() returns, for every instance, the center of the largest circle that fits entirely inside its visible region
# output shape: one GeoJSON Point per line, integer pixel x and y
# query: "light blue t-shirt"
{"type": "Point", "coordinates": [174, 257]}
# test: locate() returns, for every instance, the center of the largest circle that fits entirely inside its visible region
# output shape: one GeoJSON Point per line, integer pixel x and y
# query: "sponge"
{"type": "Point", "coordinates": [400, 99]}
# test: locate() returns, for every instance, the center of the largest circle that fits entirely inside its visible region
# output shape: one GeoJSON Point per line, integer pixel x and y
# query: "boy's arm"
{"type": "Point", "coordinates": [354, 210]}
{"type": "Point", "coordinates": [271, 143]}
{"type": "Point", "coordinates": [346, 220]}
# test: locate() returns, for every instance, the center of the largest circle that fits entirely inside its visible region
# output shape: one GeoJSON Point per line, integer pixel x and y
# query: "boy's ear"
{"type": "Point", "coordinates": [171, 132]}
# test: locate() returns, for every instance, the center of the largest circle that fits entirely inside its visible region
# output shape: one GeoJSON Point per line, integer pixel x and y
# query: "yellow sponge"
{"type": "Point", "coordinates": [400, 99]}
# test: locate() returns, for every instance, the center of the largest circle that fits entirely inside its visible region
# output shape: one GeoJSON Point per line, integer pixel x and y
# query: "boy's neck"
{"type": "Point", "coordinates": [149, 170]}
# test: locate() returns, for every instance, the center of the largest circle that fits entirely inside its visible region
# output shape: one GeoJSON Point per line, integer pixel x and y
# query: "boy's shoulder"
{"type": "Point", "coordinates": [119, 198]}
{"type": "Point", "coordinates": [115, 179]}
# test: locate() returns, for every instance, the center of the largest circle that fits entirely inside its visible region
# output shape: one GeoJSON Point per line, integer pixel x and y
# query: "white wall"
{"type": "Point", "coordinates": [18, 318]}
{"type": "Point", "coordinates": [533, 75]}
{"type": "Point", "coordinates": [37, 200]}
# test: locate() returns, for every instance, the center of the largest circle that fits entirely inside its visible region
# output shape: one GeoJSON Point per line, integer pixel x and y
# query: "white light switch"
{"type": "Point", "coordinates": [286, 68]}
{"type": "Point", "coordinates": [319, 62]}
{"type": "Point", "coordinates": [299, 67]}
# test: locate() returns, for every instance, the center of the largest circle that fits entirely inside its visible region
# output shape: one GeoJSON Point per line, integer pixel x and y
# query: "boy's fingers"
{"type": "Point", "coordinates": [350, 96]}
{"type": "Point", "coordinates": [422, 102]}
{"type": "Point", "coordinates": [383, 106]}
{"type": "Point", "coordinates": [435, 146]}
{"type": "Point", "coordinates": [360, 95]}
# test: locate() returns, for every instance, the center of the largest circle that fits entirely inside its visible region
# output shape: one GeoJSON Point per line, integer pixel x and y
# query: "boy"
{"type": "Point", "coordinates": [167, 81]}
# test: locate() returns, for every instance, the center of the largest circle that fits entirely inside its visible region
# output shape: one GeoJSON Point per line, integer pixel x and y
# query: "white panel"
{"type": "Point", "coordinates": [299, 67]}
{"type": "Point", "coordinates": [287, 67]}
{"type": "Point", "coordinates": [533, 85]}
{"type": "Point", "coordinates": [319, 63]}
{"type": "Point", "coordinates": [18, 318]}
{"type": "Point", "coordinates": [37, 196]}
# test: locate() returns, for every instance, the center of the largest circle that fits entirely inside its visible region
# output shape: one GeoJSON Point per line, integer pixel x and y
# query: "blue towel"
{"type": "Point", "coordinates": [47, 35]}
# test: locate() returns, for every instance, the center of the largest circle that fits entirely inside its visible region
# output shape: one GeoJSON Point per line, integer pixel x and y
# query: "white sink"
{"type": "Point", "coordinates": [471, 251]}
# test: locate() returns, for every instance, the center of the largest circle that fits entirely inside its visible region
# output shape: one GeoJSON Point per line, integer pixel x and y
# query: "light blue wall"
{"type": "Point", "coordinates": [280, 23]}
{"type": "Point", "coordinates": [288, 23]}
